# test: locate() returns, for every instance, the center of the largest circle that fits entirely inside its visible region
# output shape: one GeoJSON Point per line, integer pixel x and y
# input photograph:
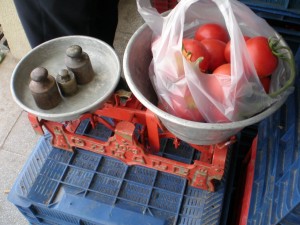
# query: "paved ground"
{"type": "Point", "coordinates": [17, 138]}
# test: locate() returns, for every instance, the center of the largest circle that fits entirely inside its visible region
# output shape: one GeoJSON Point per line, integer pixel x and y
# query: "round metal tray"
{"type": "Point", "coordinates": [51, 55]}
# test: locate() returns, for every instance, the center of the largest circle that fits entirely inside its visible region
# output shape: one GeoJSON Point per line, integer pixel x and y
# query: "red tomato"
{"type": "Point", "coordinates": [216, 91]}
{"type": "Point", "coordinates": [217, 115]}
{"type": "Point", "coordinates": [211, 31]}
{"type": "Point", "coordinates": [227, 49]}
{"type": "Point", "coordinates": [214, 85]}
{"type": "Point", "coordinates": [266, 81]}
{"type": "Point", "coordinates": [216, 50]}
{"type": "Point", "coordinates": [185, 108]}
{"type": "Point", "coordinates": [193, 50]}
{"type": "Point", "coordinates": [192, 112]}
{"type": "Point", "coordinates": [182, 107]}
{"type": "Point", "coordinates": [224, 69]}
{"type": "Point", "coordinates": [261, 54]}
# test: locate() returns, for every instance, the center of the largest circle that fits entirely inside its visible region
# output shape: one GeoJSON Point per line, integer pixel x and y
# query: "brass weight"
{"type": "Point", "coordinates": [79, 63]}
{"type": "Point", "coordinates": [66, 82]}
{"type": "Point", "coordinates": [44, 89]}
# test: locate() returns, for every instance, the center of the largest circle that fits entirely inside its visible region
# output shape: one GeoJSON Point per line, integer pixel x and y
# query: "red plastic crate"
{"type": "Point", "coordinates": [164, 5]}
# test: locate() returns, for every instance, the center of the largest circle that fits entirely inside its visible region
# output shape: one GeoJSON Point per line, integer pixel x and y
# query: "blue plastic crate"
{"type": "Point", "coordinates": [288, 7]}
{"type": "Point", "coordinates": [276, 15]}
{"type": "Point", "coordinates": [61, 187]}
{"type": "Point", "coordinates": [275, 196]}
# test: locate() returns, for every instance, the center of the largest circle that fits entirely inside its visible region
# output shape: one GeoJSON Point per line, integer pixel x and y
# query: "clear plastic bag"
{"type": "Point", "coordinates": [182, 89]}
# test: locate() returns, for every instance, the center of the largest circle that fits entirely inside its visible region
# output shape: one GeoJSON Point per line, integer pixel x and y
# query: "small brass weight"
{"type": "Point", "coordinates": [66, 82]}
{"type": "Point", "coordinates": [79, 63]}
{"type": "Point", "coordinates": [44, 89]}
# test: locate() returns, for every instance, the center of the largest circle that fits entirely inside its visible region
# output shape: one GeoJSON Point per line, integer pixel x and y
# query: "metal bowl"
{"type": "Point", "coordinates": [137, 58]}
{"type": "Point", "coordinates": [50, 55]}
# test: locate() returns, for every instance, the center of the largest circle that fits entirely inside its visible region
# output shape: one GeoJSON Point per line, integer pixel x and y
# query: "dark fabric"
{"type": "Point", "coordinates": [47, 19]}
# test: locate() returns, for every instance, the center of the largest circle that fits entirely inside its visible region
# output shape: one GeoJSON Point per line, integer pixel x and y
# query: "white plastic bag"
{"type": "Point", "coordinates": [181, 88]}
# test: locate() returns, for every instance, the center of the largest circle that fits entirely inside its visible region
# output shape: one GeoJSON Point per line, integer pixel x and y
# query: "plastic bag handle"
{"type": "Point", "coordinates": [290, 60]}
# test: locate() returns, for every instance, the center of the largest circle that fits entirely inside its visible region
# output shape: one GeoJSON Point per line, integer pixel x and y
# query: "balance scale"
{"type": "Point", "coordinates": [136, 131]}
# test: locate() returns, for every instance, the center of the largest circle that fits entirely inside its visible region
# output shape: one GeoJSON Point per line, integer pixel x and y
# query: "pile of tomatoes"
{"type": "Point", "coordinates": [210, 50]}
{"type": "Point", "coordinates": [211, 47]}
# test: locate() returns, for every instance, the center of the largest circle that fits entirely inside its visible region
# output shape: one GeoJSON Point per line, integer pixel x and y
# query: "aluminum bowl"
{"type": "Point", "coordinates": [137, 58]}
{"type": "Point", "coordinates": [50, 55]}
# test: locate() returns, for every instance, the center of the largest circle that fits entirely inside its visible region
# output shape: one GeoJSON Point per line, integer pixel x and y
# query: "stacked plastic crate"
{"type": "Point", "coordinates": [272, 191]}
{"type": "Point", "coordinates": [80, 187]}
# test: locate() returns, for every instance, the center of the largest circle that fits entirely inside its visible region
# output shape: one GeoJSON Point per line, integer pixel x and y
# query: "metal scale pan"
{"type": "Point", "coordinates": [50, 55]}
{"type": "Point", "coordinates": [137, 58]}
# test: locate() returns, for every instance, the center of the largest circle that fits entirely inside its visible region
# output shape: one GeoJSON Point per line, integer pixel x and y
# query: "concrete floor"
{"type": "Point", "coordinates": [17, 138]}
